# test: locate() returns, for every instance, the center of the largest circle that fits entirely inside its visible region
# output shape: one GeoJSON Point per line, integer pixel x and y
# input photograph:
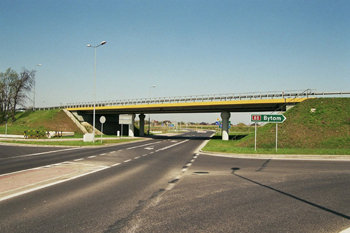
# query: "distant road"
{"type": "Point", "coordinates": [164, 185]}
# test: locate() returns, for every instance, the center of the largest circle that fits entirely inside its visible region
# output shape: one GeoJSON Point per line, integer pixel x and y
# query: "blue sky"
{"type": "Point", "coordinates": [185, 47]}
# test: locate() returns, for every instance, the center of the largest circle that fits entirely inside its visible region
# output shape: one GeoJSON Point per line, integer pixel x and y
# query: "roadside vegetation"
{"type": "Point", "coordinates": [49, 120]}
{"type": "Point", "coordinates": [315, 126]}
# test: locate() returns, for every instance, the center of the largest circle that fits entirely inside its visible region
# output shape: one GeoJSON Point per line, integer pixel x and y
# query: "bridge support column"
{"type": "Point", "coordinates": [131, 126]}
{"type": "Point", "coordinates": [142, 124]}
{"type": "Point", "coordinates": [225, 120]}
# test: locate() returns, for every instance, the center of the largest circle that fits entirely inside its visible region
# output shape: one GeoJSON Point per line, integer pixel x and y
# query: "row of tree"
{"type": "Point", "coordinates": [14, 90]}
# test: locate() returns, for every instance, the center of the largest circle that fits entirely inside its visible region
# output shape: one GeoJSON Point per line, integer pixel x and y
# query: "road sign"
{"type": "Point", "coordinates": [125, 119]}
{"type": "Point", "coordinates": [102, 119]}
{"type": "Point", "coordinates": [219, 123]}
{"type": "Point", "coordinates": [271, 118]}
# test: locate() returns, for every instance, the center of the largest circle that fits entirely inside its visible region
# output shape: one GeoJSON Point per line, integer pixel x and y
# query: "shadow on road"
{"type": "Point", "coordinates": [234, 169]}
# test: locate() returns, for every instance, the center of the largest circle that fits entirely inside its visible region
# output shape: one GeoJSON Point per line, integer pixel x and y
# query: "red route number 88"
{"type": "Point", "coordinates": [256, 117]}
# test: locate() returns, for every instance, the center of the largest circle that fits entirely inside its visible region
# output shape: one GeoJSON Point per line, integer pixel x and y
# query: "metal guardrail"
{"type": "Point", "coordinates": [203, 98]}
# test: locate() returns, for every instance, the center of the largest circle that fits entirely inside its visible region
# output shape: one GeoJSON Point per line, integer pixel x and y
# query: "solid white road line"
{"type": "Point", "coordinates": [48, 152]}
{"type": "Point", "coordinates": [51, 184]}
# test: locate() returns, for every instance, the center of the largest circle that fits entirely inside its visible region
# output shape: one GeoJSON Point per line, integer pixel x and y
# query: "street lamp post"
{"type": "Point", "coordinates": [149, 115]}
{"type": "Point", "coordinates": [94, 112]}
{"type": "Point", "coordinates": [34, 91]}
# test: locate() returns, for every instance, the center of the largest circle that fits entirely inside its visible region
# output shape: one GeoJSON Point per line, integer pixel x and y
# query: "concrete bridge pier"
{"type": "Point", "coordinates": [131, 126]}
{"type": "Point", "coordinates": [225, 127]}
{"type": "Point", "coordinates": [142, 124]}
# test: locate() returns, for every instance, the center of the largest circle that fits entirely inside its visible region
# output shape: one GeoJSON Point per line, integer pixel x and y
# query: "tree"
{"type": "Point", "coordinates": [13, 90]}
{"type": "Point", "coordinates": [20, 87]}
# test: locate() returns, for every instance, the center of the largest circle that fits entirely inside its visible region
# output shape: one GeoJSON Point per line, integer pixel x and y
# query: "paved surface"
{"type": "Point", "coordinates": [164, 185]}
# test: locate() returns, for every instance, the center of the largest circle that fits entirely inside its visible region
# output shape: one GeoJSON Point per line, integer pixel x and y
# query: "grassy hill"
{"type": "Point", "coordinates": [315, 124]}
{"type": "Point", "coordinates": [50, 120]}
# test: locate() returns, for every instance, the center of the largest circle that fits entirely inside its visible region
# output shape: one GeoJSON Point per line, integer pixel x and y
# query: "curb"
{"type": "Point", "coordinates": [279, 156]}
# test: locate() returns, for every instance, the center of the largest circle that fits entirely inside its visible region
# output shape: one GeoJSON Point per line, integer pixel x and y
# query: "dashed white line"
{"type": "Point", "coordinates": [111, 152]}
{"type": "Point", "coordinates": [103, 154]}
{"type": "Point", "coordinates": [127, 160]}
{"type": "Point", "coordinates": [116, 164]}
{"type": "Point", "coordinates": [137, 157]}
{"type": "Point", "coordinates": [145, 155]}
{"type": "Point", "coordinates": [76, 160]}
{"type": "Point", "coordinates": [92, 156]}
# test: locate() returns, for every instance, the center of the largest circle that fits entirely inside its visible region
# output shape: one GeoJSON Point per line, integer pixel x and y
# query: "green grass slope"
{"type": "Point", "coordinates": [49, 120]}
{"type": "Point", "coordinates": [313, 124]}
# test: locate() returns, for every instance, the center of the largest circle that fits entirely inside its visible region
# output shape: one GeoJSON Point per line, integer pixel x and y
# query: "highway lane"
{"type": "Point", "coordinates": [132, 178]}
{"type": "Point", "coordinates": [167, 187]}
{"type": "Point", "coordinates": [252, 195]}
{"type": "Point", "coordinates": [15, 158]}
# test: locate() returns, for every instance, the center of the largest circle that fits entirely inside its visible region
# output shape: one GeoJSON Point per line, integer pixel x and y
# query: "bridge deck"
{"type": "Point", "coordinates": [255, 105]}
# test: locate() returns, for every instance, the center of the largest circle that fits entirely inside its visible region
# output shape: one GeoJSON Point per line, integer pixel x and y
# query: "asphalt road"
{"type": "Point", "coordinates": [164, 185]}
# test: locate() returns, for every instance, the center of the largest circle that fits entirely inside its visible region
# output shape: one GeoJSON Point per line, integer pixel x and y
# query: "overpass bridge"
{"type": "Point", "coordinates": [225, 103]}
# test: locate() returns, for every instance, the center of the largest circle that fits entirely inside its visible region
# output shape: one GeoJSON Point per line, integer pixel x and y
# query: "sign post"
{"type": "Point", "coordinates": [102, 120]}
{"type": "Point", "coordinates": [269, 118]}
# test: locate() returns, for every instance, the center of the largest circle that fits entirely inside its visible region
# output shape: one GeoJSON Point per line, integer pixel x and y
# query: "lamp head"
{"type": "Point", "coordinates": [103, 42]}
{"type": "Point", "coordinates": [88, 45]}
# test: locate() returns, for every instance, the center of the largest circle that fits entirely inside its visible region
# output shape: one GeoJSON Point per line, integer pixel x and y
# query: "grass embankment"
{"type": "Point", "coordinates": [49, 120]}
{"type": "Point", "coordinates": [315, 126]}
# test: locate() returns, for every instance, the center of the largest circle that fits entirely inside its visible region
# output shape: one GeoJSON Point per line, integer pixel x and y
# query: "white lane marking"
{"type": "Point", "coordinates": [164, 148]}
{"type": "Point", "coordinates": [149, 148]}
{"type": "Point", "coordinates": [189, 164]}
{"type": "Point", "coordinates": [111, 152]}
{"type": "Point", "coordinates": [76, 160]}
{"type": "Point", "coordinates": [116, 164]}
{"type": "Point", "coordinates": [144, 154]}
{"type": "Point", "coordinates": [57, 164]}
{"type": "Point", "coordinates": [92, 156]}
{"type": "Point", "coordinates": [127, 160]}
{"type": "Point", "coordinates": [345, 231]}
{"type": "Point", "coordinates": [51, 184]}
{"type": "Point", "coordinates": [184, 169]}
{"type": "Point", "coordinates": [142, 145]}
{"type": "Point", "coordinates": [137, 157]}
{"type": "Point", "coordinates": [103, 154]}
{"type": "Point", "coordinates": [48, 152]}
{"type": "Point", "coordinates": [173, 141]}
